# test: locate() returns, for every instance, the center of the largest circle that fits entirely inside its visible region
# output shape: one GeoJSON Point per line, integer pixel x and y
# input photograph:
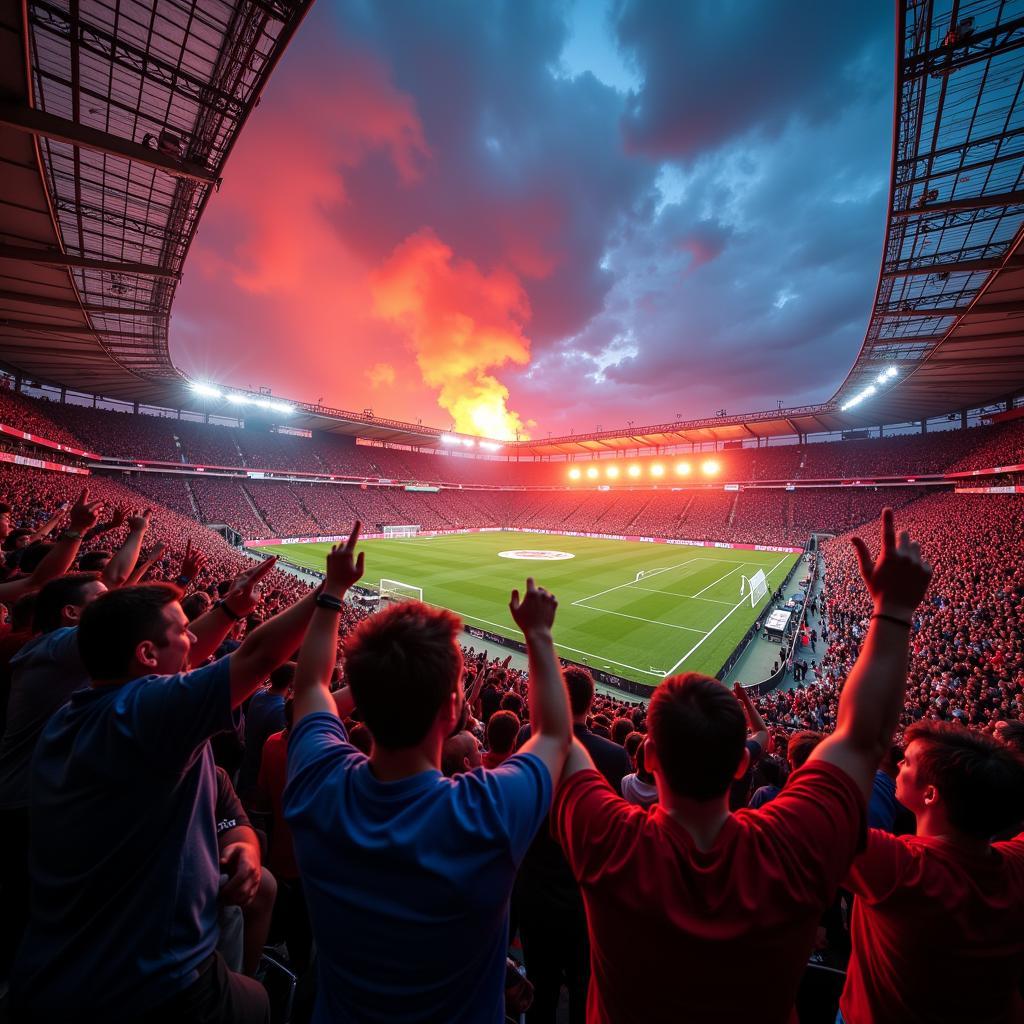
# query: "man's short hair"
{"type": "Point", "coordinates": [14, 536]}
{"type": "Point", "coordinates": [980, 779]}
{"type": "Point", "coordinates": [801, 746]}
{"type": "Point", "coordinates": [196, 604]}
{"type": "Point", "coordinates": [502, 729]}
{"type": "Point", "coordinates": [1012, 734]}
{"type": "Point", "coordinates": [580, 684]}
{"type": "Point", "coordinates": [699, 732]}
{"type": "Point", "coordinates": [403, 664]}
{"type": "Point", "coordinates": [114, 625]}
{"type": "Point", "coordinates": [282, 676]}
{"type": "Point", "coordinates": [94, 561]}
{"type": "Point", "coordinates": [512, 702]}
{"type": "Point", "coordinates": [632, 742]}
{"type": "Point", "coordinates": [55, 596]}
{"type": "Point", "coordinates": [621, 728]}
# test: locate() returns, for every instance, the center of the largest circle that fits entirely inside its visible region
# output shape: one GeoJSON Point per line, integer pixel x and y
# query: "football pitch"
{"type": "Point", "coordinates": [685, 613]}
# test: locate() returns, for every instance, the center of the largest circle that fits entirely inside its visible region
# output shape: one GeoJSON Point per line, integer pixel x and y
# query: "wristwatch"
{"type": "Point", "coordinates": [228, 612]}
{"type": "Point", "coordinates": [327, 601]}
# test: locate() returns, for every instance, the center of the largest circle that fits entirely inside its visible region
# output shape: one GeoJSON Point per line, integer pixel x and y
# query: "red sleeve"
{"type": "Point", "coordinates": [880, 868]}
{"type": "Point", "coordinates": [813, 829]}
{"type": "Point", "coordinates": [590, 821]}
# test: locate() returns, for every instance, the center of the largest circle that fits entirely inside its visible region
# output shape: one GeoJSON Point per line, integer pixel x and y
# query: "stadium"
{"type": "Point", "coordinates": [197, 194]}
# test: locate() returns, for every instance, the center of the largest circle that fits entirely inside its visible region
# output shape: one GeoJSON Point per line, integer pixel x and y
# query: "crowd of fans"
{"type": "Point", "coordinates": [123, 435]}
{"type": "Point", "coordinates": [213, 777]}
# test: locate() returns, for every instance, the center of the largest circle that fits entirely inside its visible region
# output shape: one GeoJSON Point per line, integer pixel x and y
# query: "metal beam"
{"type": "Point", "coordinates": [983, 45]}
{"type": "Point", "coordinates": [72, 330]}
{"type": "Point", "coordinates": [70, 304]}
{"type": "Point", "coordinates": [1001, 199]}
{"type": "Point", "coordinates": [954, 267]}
{"type": "Point", "coordinates": [53, 258]}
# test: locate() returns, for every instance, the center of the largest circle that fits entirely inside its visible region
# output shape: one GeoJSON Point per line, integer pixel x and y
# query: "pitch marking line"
{"type": "Point", "coordinates": [663, 568]}
{"type": "Point", "coordinates": [719, 623]}
{"type": "Point", "coordinates": [639, 618]}
{"type": "Point", "coordinates": [725, 577]}
{"type": "Point", "coordinates": [688, 597]}
{"type": "Point", "coordinates": [565, 647]}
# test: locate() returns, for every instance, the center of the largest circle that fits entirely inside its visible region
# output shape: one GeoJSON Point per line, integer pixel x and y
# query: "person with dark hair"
{"type": "Point", "coordinates": [501, 738]}
{"type": "Point", "coordinates": [1011, 733]}
{"type": "Point", "coordinates": [639, 788]}
{"type": "Point", "coordinates": [408, 873]}
{"type": "Point", "coordinates": [772, 775]}
{"type": "Point", "coordinates": [552, 920]}
{"type": "Point", "coordinates": [802, 744]}
{"type": "Point", "coordinates": [126, 914]}
{"type": "Point", "coordinates": [764, 877]}
{"type": "Point", "coordinates": [514, 703]}
{"type": "Point", "coordinates": [947, 902]}
{"type": "Point", "coordinates": [264, 715]}
{"type": "Point", "coordinates": [632, 743]}
{"type": "Point", "coordinates": [621, 728]}
{"type": "Point", "coordinates": [10, 643]}
{"type": "Point", "coordinates": [884, 810]}
{"type": "Point", "coordinates": [44, 673]}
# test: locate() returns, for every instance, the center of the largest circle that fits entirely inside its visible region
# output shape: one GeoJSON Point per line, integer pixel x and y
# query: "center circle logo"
{"type": "Point", "coordinates": [536, 556]}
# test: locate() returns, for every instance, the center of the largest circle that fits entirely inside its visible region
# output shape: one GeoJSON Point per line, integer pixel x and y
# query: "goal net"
{"type": "Point", "coordinates": [401, 531]}
{"type": "Point", "coordinates": [756, 587]}
{"type": "Point", "coordinates": [396, 590]}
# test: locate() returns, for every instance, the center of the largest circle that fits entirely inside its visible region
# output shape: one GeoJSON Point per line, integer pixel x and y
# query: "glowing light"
{"type": "Point", "coordinates": [657, 469]}
{"type": "Point", "coordinates": [574, 473]}
{"type": "Point", "coordinates": [883, 378]}
{"type": "Point", "coordinates": [613, 472]}
{"type": "Point", "coordinates": [206, 390]}
{"type": "Point", "coordinates": [592, 473]}
{"type": "Point", "coordinates": [682, 469]}
{"type": "Point", "coordinates": [238, 399]}
{"type": "Point", "coordinates": [449, 439]}
{"type": "Point", "coordinates": [710, 467]}
{"type": "Point", "coordinates": [633, 470]}
{"type": "Point", "coordinates": [490, 446]}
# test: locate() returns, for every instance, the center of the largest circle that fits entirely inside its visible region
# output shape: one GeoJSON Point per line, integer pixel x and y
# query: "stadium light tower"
{"type": "Point", "coordinates": [710, 467]}
{"type": "Point", "coordinates": [682, 469]}
{"type": "Point", "coordinates": [613, 472]}
{"type": "Point", "coordinates": [657, 469]}
{"type": "Point", "coordinates": [634, 470]}
{"type": "Point", "coordinates": [592, 473]}
{"type": "Point", "coordinates": [574, 473]}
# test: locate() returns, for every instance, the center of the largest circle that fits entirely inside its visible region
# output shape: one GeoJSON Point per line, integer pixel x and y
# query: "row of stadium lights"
{"type": "Point", "coordinates": [883, 378]}
{"type": "Point", "coordinates": [469, 442]}
{"type": "Point", "coordinates": [709, 467]}
{"type": "Point", "coordinates": [237, 398]}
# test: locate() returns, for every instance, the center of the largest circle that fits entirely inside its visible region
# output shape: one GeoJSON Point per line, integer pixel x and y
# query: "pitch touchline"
{"type": "Point", "coordinates": [719, 623]}
{"type": "Point", "coordinates": [688, 597]}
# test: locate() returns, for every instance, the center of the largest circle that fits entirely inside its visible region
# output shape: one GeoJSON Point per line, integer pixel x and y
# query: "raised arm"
{"type": "Point", "coordinates": [550, 719]}
{"type": "Point", "coordinates": [870, 703]}
{"type": "Point", "coordinates": [140, 570]}
{"type": "Point", "coordinates": [115, 521]}
{"type": "Point", "coordinates": [122, 562]}
{"type": "Point", "coordinates": [50, 525]}
{"type": "Point", "coordinates": [756, 724]}
{"type": "Point", "coordinates": [58, 560]}
{"type": "Point", "coordinates": [242, 597]}
{"type": "Point", "coordinates": [312, 682]}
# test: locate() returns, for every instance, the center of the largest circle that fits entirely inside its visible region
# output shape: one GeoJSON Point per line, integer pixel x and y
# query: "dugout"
{"type": "Point", "coordinates": [776, 624]}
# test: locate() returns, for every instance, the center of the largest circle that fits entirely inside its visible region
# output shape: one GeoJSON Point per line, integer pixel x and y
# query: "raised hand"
{"type": "Point", "coordinates": [84, 513]}
{"type": "Point", "coordinates": [244, 594]}
{"type": "Point", "coordinates": [241, 865]}
{"type": "Point", "coordinates": [343, 568]}
{"type": "Point", "coordinates": [191, 563]}
{"type": "Point", "coordinates": [536, 611]}
{"type": "Point", "coordinates": [139, 521]}
{"type": "Point", "coordinates": [118, 517]}
{"type": "Point", "coordinates": [897, 581]}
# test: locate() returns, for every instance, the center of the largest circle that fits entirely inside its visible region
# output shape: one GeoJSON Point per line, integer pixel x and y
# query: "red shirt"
{"type": "Point", "coordinates": [272, 778]}
{"type": "Point", "coordinates": [938, 934]}
{"type": "Point", "coordinates": [720, 935]}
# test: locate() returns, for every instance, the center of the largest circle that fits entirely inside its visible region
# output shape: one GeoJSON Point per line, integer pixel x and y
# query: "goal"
{"type": "Point", "coordinates": [756, 587]}
{"type": "Point", "coordinates": [401, 531]}
{"type": "Point", "coordinates": [396, 590]}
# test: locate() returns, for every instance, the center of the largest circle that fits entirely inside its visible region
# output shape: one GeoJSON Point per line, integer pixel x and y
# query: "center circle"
{"type": "Point", "coordinates": [536, 556]}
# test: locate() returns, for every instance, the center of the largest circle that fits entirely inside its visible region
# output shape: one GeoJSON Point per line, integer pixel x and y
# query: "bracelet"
{"type": "Point", "coordinates": [327, 601]}
{"type": "Point", "coordinates": [228, 612]}
{"type": "Point", "coordinates": [892, 618]}
{"type": "Point", "coordinates": [71, 535]}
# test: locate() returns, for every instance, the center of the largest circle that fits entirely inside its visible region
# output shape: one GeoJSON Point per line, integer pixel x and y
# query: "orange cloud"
{"type": "Point", "coordinates": [461, 324]}
{"type": "Point", "coordinates": [380, 375]}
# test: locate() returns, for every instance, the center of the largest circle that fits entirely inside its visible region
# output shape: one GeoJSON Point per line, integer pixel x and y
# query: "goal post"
{"type": "Point", "coordinates": [756, 587]}
{"type": "Point", "coordinates": [401, 531]}
{"type": "Point", "coordinates": [396, 590]}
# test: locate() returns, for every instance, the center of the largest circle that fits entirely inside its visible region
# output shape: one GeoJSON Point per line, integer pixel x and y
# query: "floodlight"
{"type": "Point", "coordinates": [238, 399]}
{"type": "Point", "coordinates": [448, 439]}
{"type": "Point", "coordinates": [682, 469]}
{"type": "Point", "coordinates": [574, 473]}
{"type": "Point", "coordinates": [206, 390]}
{"type": "Point", "coordinates": [710, 467]}
{"type": "Point", "coordinates": [613, 472]}
{"type": "Point", "coordinates": [592, 473]}
{"type": "Point", "coordinates": [633, 470]}
{"type": "Point", "coordinates": [657, 469]}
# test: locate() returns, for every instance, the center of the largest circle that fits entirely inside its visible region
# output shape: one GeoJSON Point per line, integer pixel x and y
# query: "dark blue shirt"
{"type": "Point", "coordinates": [124, 860]}
{"type": "Point", "coordinates": [408, 882]}
{"type": "Point", "coordinates": [883, 805]}
{"type": "Point", "coordinates": [263, 716]}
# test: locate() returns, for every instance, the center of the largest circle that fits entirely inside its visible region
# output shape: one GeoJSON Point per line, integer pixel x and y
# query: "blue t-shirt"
{"type": "Point", "coordinates": [264, 716]}
{"type": "Point", "coordinates": [408, 882]}
{"type": "Point", "coordinates": [123, 856]}
{"type": "Point", "coordinates": [883, 805]}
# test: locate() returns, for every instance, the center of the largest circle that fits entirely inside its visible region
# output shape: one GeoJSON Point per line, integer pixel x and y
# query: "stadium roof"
{"type": "Point", "coordinates": [117, 117]}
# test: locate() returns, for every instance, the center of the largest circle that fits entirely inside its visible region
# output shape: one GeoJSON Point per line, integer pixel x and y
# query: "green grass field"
{"type": "Point", "coordinates": [686, 616]}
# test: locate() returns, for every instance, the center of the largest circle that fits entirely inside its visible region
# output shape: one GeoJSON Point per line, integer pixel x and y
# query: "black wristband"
{"type": "Point", "coordinates": [892, 618]}
{"type": "Point", "coordinates": [228, 612]}
{"type": "Point", "coordinates": [327, 601]}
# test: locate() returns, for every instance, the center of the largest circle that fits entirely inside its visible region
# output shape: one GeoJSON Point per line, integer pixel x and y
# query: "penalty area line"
{"type": "Point", "coordinates": [741, 601]}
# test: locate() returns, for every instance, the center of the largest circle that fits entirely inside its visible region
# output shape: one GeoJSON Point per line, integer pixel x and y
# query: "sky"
{"type": "Point", "coordinates": [523, 217]}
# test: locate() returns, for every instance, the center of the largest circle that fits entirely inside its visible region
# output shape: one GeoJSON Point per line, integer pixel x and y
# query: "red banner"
{"type": "Point", "coordinates": [55, 467]}
{"type": "Point", "coordinates": [25, 436]}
